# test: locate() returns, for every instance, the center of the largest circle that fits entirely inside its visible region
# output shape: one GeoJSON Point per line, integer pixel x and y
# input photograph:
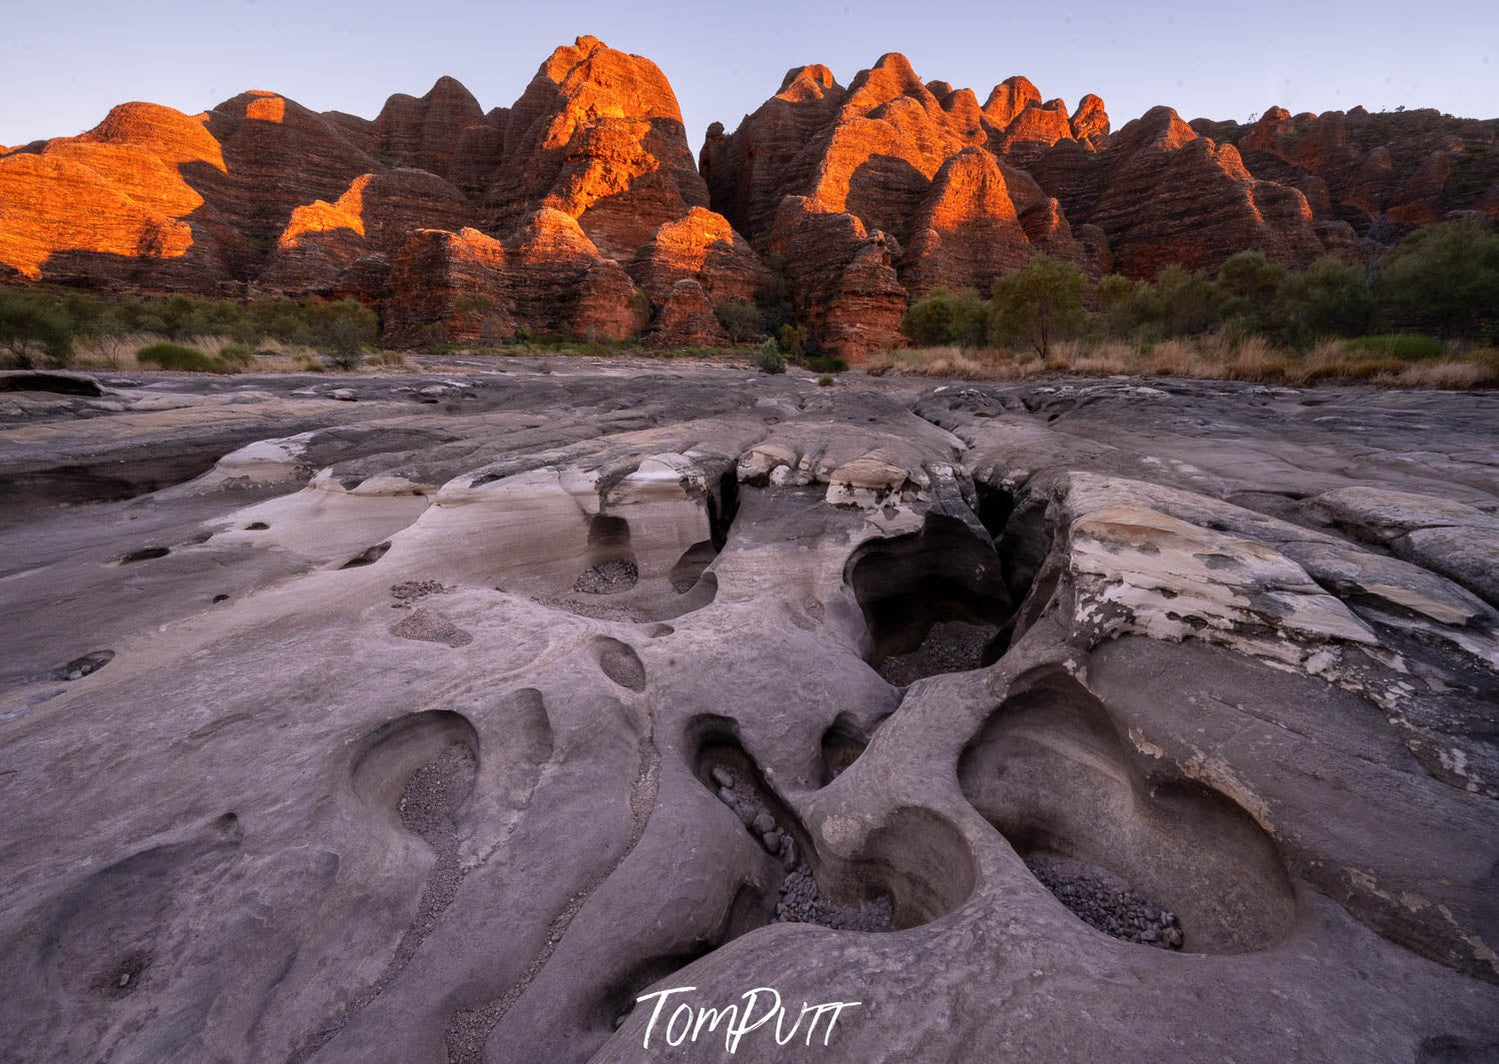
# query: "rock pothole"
{"type": "Point", "coordinates": [1123, 850]}
{"type": "Point", "coordinates": [800, 899]}
{"type": "Point", "coordinates": [909, 871]}
{"type": "Point", "coordinates": [83, 666]}
{"type": "Point", "coordinates": [145, 554]}
{"type": "Point", "coordinates": [841, 745]}
{"type": "Point", "coordinates": [934, 601]}
{"type": "Point", "coordinates": [388, 758]}
{"type": "Point", "coordinates": [620, 663]}
{"type": "Point", "coordinates": [1107, 903]}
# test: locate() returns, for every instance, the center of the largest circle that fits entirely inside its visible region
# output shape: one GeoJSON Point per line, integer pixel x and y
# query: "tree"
{"type": "Point", "coordinates": [1248, 286]}
{"type": "Point", "coordinates": [1123, 303]}
{"type": "Point", "coordinates": [106, 333]}
{"type": "Point", "coordinates": [944, 318]}
{"type": "Point", "coordinates": [343, 330]}
{"type": "Point", "coordinates": [1444, 277]}
{"type": "Point", "coordinates": [1329, 298]}
{"type": "Point", "coordinates": [1191, 304]}
{"type": "Point", "coordinates": [1038, 304]}
{"type": "Point", "coordinates": [29, 324]}
{"type": "Point", "coordinates": [741, 319]}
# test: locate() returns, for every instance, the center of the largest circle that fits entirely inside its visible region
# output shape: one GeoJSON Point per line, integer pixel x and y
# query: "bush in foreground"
{"type": "Point", "coordinates": [768, 359]}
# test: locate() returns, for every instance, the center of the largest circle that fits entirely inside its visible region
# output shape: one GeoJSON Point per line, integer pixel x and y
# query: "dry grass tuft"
{"type": "Point", "coordinates": [1250, 358]}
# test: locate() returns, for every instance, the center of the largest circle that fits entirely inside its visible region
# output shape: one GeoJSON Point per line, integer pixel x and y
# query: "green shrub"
{"type": "Point", "coordinates": [791, 341]}
{"type": "Point", "coordinates": [827, 380]}
{"type": "Point", "coordinates": [1443, 279]}
{"type": "Point", "coordinates": [1038, 304]}
{"type": "Point", "coordinates": [1191, 304]}
{"type": "Point", "coordinates": [1407, 347]}
{"type": "Point", "coordinates": [741, 319]}
{"type": "Point", "coordinates": [181, 359]}
{"type": "Point", "coordinates": [239, 356]}
{"type": "Point", "coordinates": [342, 330]}
{"type": "Point", "coordinates": [768, 359]}
{"type": "Point", "coordinates": [943, 318]}
{"type": "Point", "coordinates": [32, 326]}
{"type": "Point", "coordinates": [1329, 298]}
{"type": "Point", "coordinates": [825, 364]}
{"type": "Point", "coordinates": [641, 309]}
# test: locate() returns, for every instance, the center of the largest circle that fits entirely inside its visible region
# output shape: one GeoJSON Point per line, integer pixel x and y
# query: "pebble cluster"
{"type": "Point", "coordinates": [949, 646]}
{"type": "Point", "coordinates": [1107, 904]}
{"type": "Point", "coordinates": [410, 591]}
{"type": "Point", "coordinates": [801, 900]}
{"type": "Point", "coordinates": [608, 578]}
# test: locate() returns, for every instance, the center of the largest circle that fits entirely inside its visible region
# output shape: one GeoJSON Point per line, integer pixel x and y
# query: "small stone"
{"type": "Point", "coordinates": [723, 776]}
{"type": "Point", "coordinates": [771, 841]}
{"type": "Point", "coordinates": [726, 796]}
{"type": "Point", "coordinates": [764, 822]}
{"type": "Point", "coordinates": [124, 979]}
{"type": "Point", "coordinates": [788, 854]}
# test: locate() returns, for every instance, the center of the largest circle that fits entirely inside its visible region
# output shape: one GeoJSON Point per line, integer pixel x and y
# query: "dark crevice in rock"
{"type": "Point", "coordinates": [83, 666]}
{"type": "Point", "coordinates": [912, 869]}
{"type": "Point", "coordinates": [369, 556]}
{"type": "Point", "coordinates": [934, 601]}
{"type": "Point", "coordinates": [842, 743]}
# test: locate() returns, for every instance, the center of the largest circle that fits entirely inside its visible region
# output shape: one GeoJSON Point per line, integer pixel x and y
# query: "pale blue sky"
{"type": "Point", "coordinates": [64, 64]}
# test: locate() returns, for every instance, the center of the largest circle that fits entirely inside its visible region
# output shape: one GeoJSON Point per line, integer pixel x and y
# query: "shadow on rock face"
{"type": "Point", "coordinates": [633, 570]}
{"type": "Point", "coordinates": [909, 871]}
{"type": "Point", "coordinates": [934, 601]}
{"type": "Point", "coordinates": [369, 556]}
{"type": "Point", "coordinates": [842, 743]}
{"type": "Point", "coordinates": [1167, 862]}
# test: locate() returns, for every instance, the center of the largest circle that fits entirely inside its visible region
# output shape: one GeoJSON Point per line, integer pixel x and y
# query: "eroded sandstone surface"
{"type": "Point", "coordinates": [439, 716]}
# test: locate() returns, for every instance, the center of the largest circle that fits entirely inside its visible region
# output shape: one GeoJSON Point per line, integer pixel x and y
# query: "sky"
{"type": "Point", "coordinates": [65, 63]}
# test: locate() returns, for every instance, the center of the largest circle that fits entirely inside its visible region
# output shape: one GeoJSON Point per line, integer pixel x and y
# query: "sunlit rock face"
{"type": "Point", "coordinates": [546, 277]}
{"type": "Point", "coordinates": [597, 135]}
{"type": "Point", "coordinates": [947, 188]}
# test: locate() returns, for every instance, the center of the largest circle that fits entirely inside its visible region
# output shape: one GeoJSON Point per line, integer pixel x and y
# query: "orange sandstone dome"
{"type": "Point", "coordinates": [580, 209]}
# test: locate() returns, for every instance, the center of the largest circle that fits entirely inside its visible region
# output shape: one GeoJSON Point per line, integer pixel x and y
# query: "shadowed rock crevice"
{"type": "Point", "coordinates": [631, 570]}
{"type": "Point", "coordinates": [1051, 773]}
{"type": "Point", "coordinates": [934, 601]}
{"type": "Point", "coordinates": [369, 556]}
{"type": "Point", "coordinates": [744, 914]}
{"type": "Point", "coordinates": [612, 567]}
{"type": "Point", "coordinates": [842, 743]}
{"type": "Point", "coordinates": [910, 870]}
